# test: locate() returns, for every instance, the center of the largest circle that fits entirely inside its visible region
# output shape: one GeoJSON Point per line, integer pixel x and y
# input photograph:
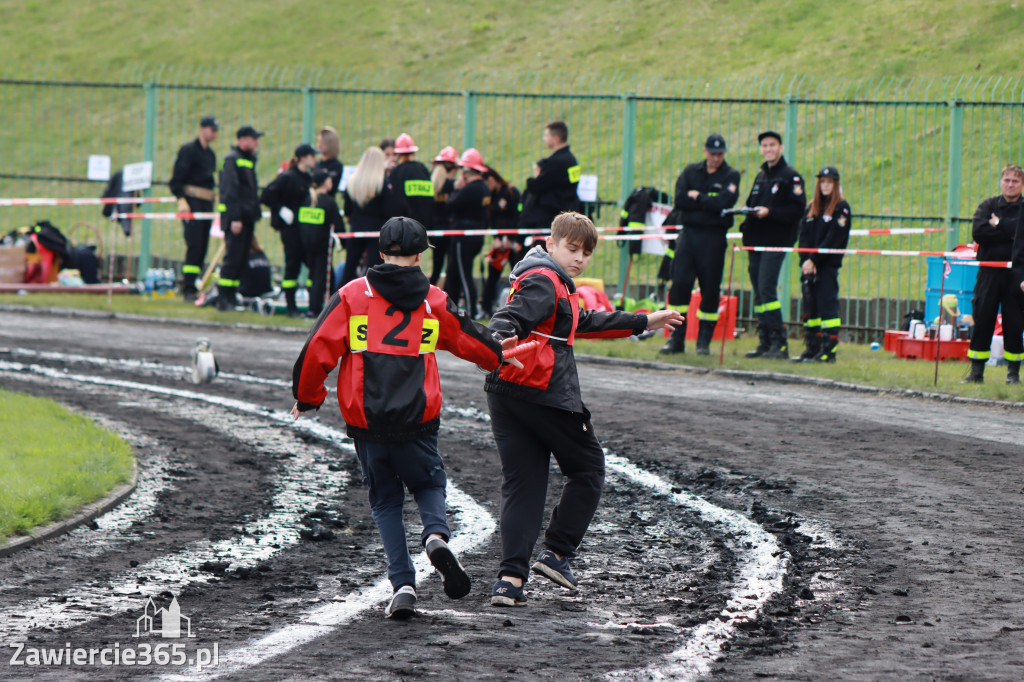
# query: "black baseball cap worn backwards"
{"type": "Point", "coordinates": [409, 234]}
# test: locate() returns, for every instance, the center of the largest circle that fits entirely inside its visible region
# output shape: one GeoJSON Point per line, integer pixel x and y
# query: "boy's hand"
{"type": "Point", "coordinates": [507, 344]}
{"type": "Point", "coordinates": [295, 413]}
{"type": "Point", "coordinates": [664, 318]}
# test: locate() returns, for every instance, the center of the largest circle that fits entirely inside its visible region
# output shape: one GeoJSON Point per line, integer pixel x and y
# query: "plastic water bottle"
{"type": "Point", "coordinates": [875, 345]}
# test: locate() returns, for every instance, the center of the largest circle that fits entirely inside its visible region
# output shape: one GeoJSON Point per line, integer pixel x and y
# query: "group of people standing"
{"type": "Point", "coordinates": [387, 182]}
{"type": "Point", "coordinates": [776, 215]}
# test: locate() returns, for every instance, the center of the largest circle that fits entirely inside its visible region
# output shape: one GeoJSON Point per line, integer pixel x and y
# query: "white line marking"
{"type": "Point", "coordinates": [298, 488]}
{"type": "Point", "coordinates": [762, 566]}
{"type": "Point", "coordinates": [475, 526]}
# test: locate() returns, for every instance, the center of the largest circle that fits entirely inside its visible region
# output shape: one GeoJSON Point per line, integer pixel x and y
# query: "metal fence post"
{"type": "Point", "coordinates": [469, 120]}
{"type": "Point", "coordinates": [148, 148]}
{"type": "Point", "coordinates": [308, 114]}
{"type": "Point", "coordinates": [956, 139]}
{"type": "Point", "coordinates": [628, 161]}
{"type": "Point", "coordinates": [789, 134]}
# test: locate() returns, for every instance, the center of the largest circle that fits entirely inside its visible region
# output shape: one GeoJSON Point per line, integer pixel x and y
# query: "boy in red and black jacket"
{"type": "Point", "coordinates": [537, 411]}
{"type": "Point", "coordinates": [385, 328]}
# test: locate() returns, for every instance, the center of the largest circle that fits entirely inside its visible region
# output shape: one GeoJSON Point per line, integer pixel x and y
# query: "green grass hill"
{"type": "Point", "coordinates": [429, 43]}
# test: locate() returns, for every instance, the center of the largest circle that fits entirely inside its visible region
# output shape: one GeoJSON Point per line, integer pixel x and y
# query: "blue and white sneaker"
{"type": "Point", "coordinates": [505, 593]}
{"type": "Point", "coordinates": [554, 569]}
{"type": "Point", "coordinates": [403, 604]}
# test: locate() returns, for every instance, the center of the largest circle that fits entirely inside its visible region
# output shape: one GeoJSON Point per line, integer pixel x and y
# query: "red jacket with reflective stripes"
{"type": "Point", "coordinates": [543, 305]}
{"type": "Point", "coordinates": [385, 328]}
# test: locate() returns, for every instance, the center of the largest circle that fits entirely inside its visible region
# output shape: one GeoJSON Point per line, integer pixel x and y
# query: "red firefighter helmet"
{"type": "Point", "coordinates": [447, 155]}
{"type": "Point", "coordinates": [405, 145]}
{"type": "Point", "coordinates": [471, 159]}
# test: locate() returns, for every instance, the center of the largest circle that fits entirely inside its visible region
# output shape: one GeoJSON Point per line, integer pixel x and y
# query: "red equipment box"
{"type": "Point", "coordinates": [925, 349]}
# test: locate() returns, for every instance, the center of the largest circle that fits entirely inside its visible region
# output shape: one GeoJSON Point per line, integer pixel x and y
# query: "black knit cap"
{"type": "Point", "coordinates": [409, 234]}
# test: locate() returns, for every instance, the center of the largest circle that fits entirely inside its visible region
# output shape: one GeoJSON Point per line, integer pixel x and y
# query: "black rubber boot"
{"type": "Point", "coordinates": [812, 345]}
{"type": "Point", "coordinates": [764, 342]}
{"type": "Point", "coordinates": [676, 342]}
{"type": "Point", "coordinates": [828, 348]}
{"type": "Point", "coordinates": [289, 299]}
{"type": "Point", "coordinates": [779, 348]}
{"type": "Point", "coordinates": [977, 373]}
{"type": "Point", "coordinates": [1012, 372]}
{"type": "Point", "coordinates": [705, 330]}
{"type": "Point", "coordinates": [225, 298]}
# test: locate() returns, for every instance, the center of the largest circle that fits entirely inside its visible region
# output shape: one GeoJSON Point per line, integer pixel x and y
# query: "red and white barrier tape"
{"type": "Point", "coordinates": [533, 231]}
{"type": "Point", "coordinates": [86, 202]}
{"type": "Point", "coordinates": [960, 258]}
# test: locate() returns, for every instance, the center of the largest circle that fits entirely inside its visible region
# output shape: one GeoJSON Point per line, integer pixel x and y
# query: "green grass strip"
{"type": "Point", "coordinates": [52, 462]}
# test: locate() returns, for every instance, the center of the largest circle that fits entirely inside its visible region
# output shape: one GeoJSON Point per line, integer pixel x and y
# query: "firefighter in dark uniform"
{"type": "Point", "coordinates": [552, 189]}
{"type": "Point", "coordinates": [780, 201]}
{"type": "Point", "coordinates": [703, 191]}
{"type": "Point", "coordinates": [285, 196]}
{"type": "Point", "coordinates": [826, 226]}
{"type": "Point", "coordinates": [468, 208]}
{"type": "Point", "coordinates": [239, 210]}
{"type": "Point", "coordinates": [192, 182]}
{"type": "Point", "coordinates": [996, 222]}
{"type": "Point", "coordinates": [316, 221]}
{"type": "Point", "coordinates": [410, 190]}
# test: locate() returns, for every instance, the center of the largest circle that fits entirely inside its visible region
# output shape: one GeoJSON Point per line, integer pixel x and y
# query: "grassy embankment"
{"type": "Point", "coordinates": [52, 462]}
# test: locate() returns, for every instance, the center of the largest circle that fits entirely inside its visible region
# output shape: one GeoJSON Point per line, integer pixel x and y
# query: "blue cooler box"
{"type": "Point", "coordinates": [962, 278]}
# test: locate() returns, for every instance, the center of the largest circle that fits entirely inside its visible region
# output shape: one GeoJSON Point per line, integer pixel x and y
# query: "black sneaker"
{"type": "Point", "coordinates": [455, 579]}
{"type": "Point", "coordinates": [505, 593]}
{"type": "Point", "coordinates": [403, 604]}
{"type": "Point", "coordinates": [555, 569]}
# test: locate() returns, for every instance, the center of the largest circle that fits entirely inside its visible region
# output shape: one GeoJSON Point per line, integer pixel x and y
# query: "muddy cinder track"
{"type": "Point", "coordinates": [748, 530]}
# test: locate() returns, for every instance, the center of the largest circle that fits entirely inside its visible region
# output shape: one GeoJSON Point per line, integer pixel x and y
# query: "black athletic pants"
{"type": "Point", "coordinates": [527, 434]}
{"type": "Point", "coordinates": [459, 280]}
{"type": "Point", "coordinates": [236, 257]}
{"type": "Point", "coordinates": [356, 248]}
{"type": "Point", "coordinates": [293, 256]}
{"type": "Point", "coordinates": [699, 257]}
{"type": "Point", "coordinates": [316, 239]}
{"type": "Point", "coordinates": [438, 256]}
{"type": "Point", "coordinates": [197, 241]}
{"type": "Point", "coordinates": [997, 291]}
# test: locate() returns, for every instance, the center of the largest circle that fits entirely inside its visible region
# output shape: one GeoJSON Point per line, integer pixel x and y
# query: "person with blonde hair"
{"type": "Point", "coordinates": [329, 144]}
{"type": "Point", "coordinates": [446, 168]}
{"type": "Point", "coordinates": [364, 207]}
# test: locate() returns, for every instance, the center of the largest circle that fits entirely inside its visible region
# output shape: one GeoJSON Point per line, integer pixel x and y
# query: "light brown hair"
{"type": "Point", "coordinates": [1012, 168]}
{"type": "Point", "coordinates": [824, 205]}
{"type": "Point", "coordinates": [330, 143]}
{"type": "Point", "coordinates": [576, 228]}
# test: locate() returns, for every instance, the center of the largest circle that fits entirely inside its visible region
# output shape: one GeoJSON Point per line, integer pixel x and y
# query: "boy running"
{"type": "Point", "coordinates": [536, 410]}
{"type": "Point", "coordinates": [384, 328]}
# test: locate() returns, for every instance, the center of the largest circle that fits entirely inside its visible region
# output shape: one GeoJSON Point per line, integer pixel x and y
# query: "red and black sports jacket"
{"type": "Point", "coordinates": [543, 305]}
{"type": "Point", "coordinates": [385, 328]}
